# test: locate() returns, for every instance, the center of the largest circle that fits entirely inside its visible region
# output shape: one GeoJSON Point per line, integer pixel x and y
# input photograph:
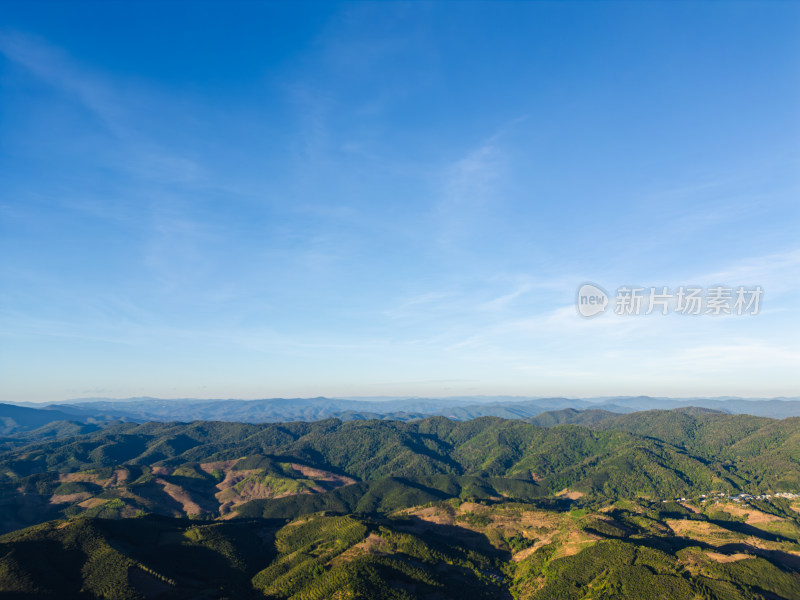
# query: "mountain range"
{"type": "Point", "coordinates": [567, 504]}
{"type": "Point", "coordinates": [24, 417]}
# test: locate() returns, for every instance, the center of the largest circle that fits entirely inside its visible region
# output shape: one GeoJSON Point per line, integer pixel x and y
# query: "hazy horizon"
{"type": "Point", "coordinates": [480, 398]}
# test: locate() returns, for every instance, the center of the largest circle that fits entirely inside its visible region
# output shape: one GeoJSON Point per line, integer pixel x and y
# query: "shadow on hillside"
{"type": "Point", "coordinates": [200, 491]}
{"type": "Point", "coordinates": [451, 539]}
{"type": "Point", "coordinates": [444, 535]}
{"type": "Point", "coordinates": [22, 510]}
{"type": "Point", "coordinates": [671, 545]}
{"type": "Point", "coordinates": [160, 502]}
{"type": "Point", "coordinates": [745, 529]}
{"type": "Point", "coordinates": [309, 458]}
{"type": "Point", "coordinates": [53, 569]}
{"type": "Point", "coordinates": [556, 504]}
{"type": "Point", "coordinates": [783, 560]}
{"type": "Point", "coordinates": [198, 554]}
{"type": "Point", "coordinates": [788, 562]}
{"type": "Point", "coordinates": [422, 449]}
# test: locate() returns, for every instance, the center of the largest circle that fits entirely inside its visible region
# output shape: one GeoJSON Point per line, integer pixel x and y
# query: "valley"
{"type": "Point", "coordinates": [660, 504]}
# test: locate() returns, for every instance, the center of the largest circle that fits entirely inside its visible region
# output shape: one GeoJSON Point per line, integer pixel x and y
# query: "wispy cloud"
{"type": "Point", "coordinates": [55, 68]}
{"type": "Point", "coordinates": [123, 108]}
{"type": "Point", "coordinates": [778, 272]}
{"type": "Point", "coordinates": [469, 187]}
{"type": "Point", "coordinates": [503, 301]}
{"type": "Point", "coordinates": [474, 189]}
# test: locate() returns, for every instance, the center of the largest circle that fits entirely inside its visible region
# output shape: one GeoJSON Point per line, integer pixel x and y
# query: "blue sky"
{"type": "Point", "coordinates": [286, 199]}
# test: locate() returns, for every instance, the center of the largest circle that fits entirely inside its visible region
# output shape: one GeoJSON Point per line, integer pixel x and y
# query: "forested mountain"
{"type": "Point", "coordinates": [208, 468]}
{"type": "Point", "coordinates": [449, 550]}
{"type": "Point", "coordinates": [14, 420]}
{"type": "Point", "coordinates": [496, 508]}
{"type": "Point", "coordinates": [101, 410]}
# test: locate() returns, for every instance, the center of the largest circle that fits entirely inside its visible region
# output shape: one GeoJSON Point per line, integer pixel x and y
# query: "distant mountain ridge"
{"type": "Point", "coordinates": [276, 410]}
{"type": "Point", "coordinates": [16, 419]}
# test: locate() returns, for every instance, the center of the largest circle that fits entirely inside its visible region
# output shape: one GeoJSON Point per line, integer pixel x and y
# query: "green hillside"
{"type": "Point", "coordinates": [432, 508]}
{"type": "Point", "coordinates": [210, 469]}
{"type": "Point", "coordinates": [441, 550]}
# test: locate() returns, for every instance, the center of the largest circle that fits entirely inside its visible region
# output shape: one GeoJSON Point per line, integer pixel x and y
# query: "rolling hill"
{"type": "Point", "coordinates": [446, 550]}
{"type": "Point", "coordinates": [212, 468]}
{"type": "Point", "coordinates": [430, 508]}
